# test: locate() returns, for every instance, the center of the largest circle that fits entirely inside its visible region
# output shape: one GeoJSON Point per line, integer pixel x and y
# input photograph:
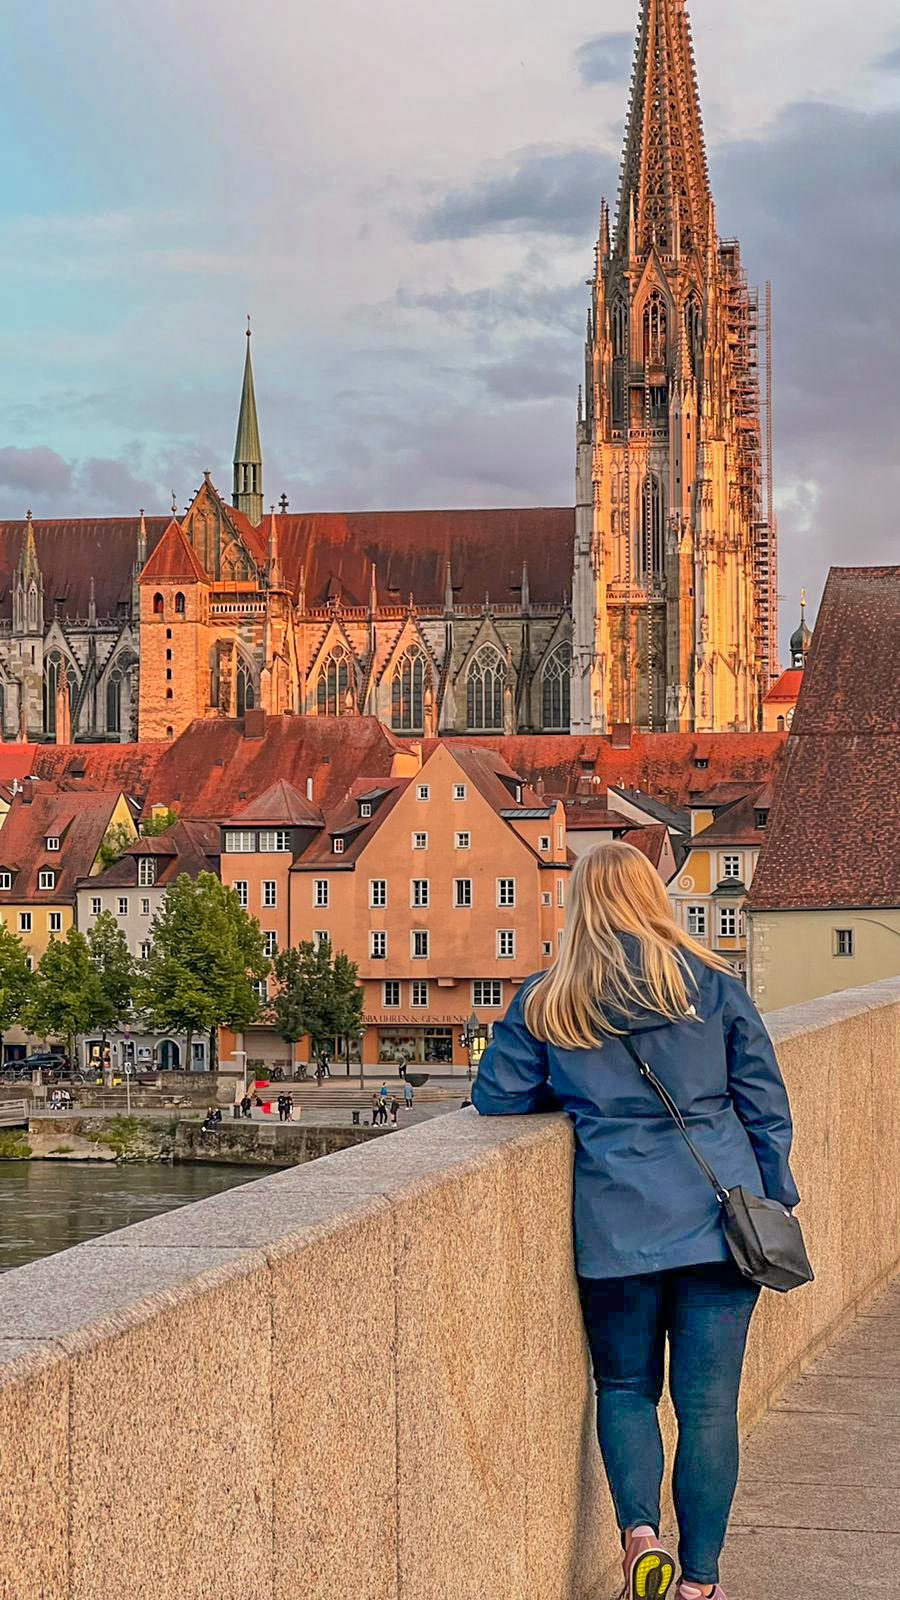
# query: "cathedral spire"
{"type": "Point", "coordinates": [665, 182]}
{"type": "Point", "coordinates": [274, 561]}
{"type": "Point", "coordinates": [248, 484]}
{"type": "Point", "coordinates": [29, 566]}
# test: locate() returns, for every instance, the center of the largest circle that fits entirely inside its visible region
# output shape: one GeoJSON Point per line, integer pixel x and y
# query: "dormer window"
{"type": "Point", "coordinates": [146, 871]}
{"type": "Point", "coordinates": [761, 816]}
{"type": "Point", "coordinates": [338, 846]}
{"type": "Point", "coordinates": [51, 842]}
{"type": "Point", "coordinates": [518, 794]}
{"type": "Point", "coordinates": [365, 808]}
{"type": "Point", "coordinates": [6, 880]}
{"type": "Point", "coordinates": [46, 878]}
{"type": "Point", "coordinates": [701, 763]}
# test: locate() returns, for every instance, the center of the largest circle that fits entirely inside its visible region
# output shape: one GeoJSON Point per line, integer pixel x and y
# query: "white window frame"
{"type": "Point", "coordinates": [699, 916]}
{"type": "Point", "coordinates": [546, 899]}
{"type": "Point", "coordinates": [378, 893]}
{"type": "Point", "coordinates": [51, 843]}
{"type": "Point", "coordinates": [418, 994]}
{"type": "Point", "coordinates": [46, 878]}
{"type": "Point", "coordinates": [459, 791]}
{"type": "Point", "coordinates": [420, 893]}
{"type": "Point", "coordinates": [144, 949]}
{"type": "Point", "coordinates": [24, 921]}
{"type": "Point", "coordinates": [365, 808]}
{"type": "Point", "coordinates": [547, 948]}
{"type": "Point", "coordinates": [337, 845]}
{"type": "Point", "coordinates": [320, 936]}
{"type": "Point", "coordinates": [544, 842]}
{"type": "Point", "coordinates": [462, 902]}
{"type": "Point", "coordinates": [54, 922]}
{"type": "Point", "coordinates": [727, 915]}
{"type": "Point", "coordinates": [560, 891]}
{"type": "Point", "coordinates": [462, 841]}
{"type": "Point", "coordinates": [841, 935]}
{"type": "Point", "coordinates": [423, 791]}
{"type": "Point", "coordinates": [273, 841]}
{"type": "Point", "coordinates": [96, 905]}
{"type": "Point", "coordinates": [320, 893]}
{"type": "Point", "coordinates": [122, 905]}
{"type": "Point", "coordinates": [241, 888]}
{"type": "Point", "coordinates": [270, 943]}
{"type": "Point", "coordinates": [417, 936]}
{"type": "Point", "coordinates": [240, 841]}
{"type": "Point", "coordinates": [727, 860]}
{"type": "Point", "coordinates": [145, 905]}
{"type": "Point", "coordinates": [269, 899]}
{"type": "Point", "coordinates": [506, 891]}
{"type": "Point", "coordinates": [420, 841]}
{"type": "Point", "coordinates": [490, 987]}
{"type": "Point", "coordinates": [5, 880]}
{"type": "Point", "coordinates": [146, 872]}
{"type": "Point", "coordinates": [378, 944]}
{"type": "Point", "coordinates": [389, 1003]}
{"type": "Point", "coordinates": [506, 937]}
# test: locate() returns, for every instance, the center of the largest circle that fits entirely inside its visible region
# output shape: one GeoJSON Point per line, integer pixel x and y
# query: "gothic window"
{"type": "Point", "coordinates": [179, 604]}
{"type": "Point", "coordinates": [114, 703]}
{"type": "Point", "coordinates": [245, 692]}
{"type": "Point", "coordinates": [333, 684]}
{"type": "Point", "coordinates": [655, 328]}
{"type": "Point", "coordinates": [620, 351]}
{"type": "Point", "coordinates": [693, 324]}
{"type": "Point", "coordinates": [557, 679]}
{"type": "Point", "coordinates": [408, 693]}
{"type": "Point", "coordinates": [652, 551]}
{"type": "Point", "coordinates": [51, 685]}
{"type": "Point", "coordinates": [484, 689]}
{"type": "Point", "coordinates": [157, 605]}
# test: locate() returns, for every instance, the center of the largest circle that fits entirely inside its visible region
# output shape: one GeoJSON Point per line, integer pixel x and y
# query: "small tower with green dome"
{"type": "Point", "coordinates": [801, 638]}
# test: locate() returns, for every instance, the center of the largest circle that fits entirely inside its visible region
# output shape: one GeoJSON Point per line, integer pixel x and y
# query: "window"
{"type": "Point", "coordinates": [420, 841]}
{"type": "Point", "coordinates": [693, 322]}
{"type": "Point", "coordinates": [418, 993]}
{"type": "Point", "coordinates": [261, 989]}
{"type": "Point", "coordinates": [419, 944]}
{"type": "Point", "coordinates": [390, 998]}
{"type": "Point", "coordinates": [46, 878]}
{"type": "Point", "coordinates": [701, 763]}
{"type": "Point", "coordinates": [696, 921]}
{"type": "Point", "coordinates": [652, 551]}
{"type": "Point", "coordinates": [408, 692]}
{"type": "Point", "coordinates": [761, 816]}
{"type": "Point", "coordinates": [544, 842]}
{"type": "Point", "coordinates": [547, 949]}
{"type": "Point", "coordinates": [95, 905]}
{"type": "Point", "coordinates": [506, 944]}
{"type": "Point", "coordinates": [557, 679]}
{"type": "Point", "coordinates": [157, 605]}
{"type": "Point", "coordinates": [245, 695]}
{"type": "Point", "coordinates": [462, 841]}
{"type": "Point", "coordinates": [378, 945]}
{"type": "Point", "coordinates": [418, 892]}
{"type": "Point", "coordinates": [655, 330]}
{"type": "Point", "coordinates": [240, 888]}
{"type": "Point", "coordinates": [485, 681]}
{"type": "Point", "coordinates": [320, 937]}
{"type": "Point", "coordinates": [179, 605]}
{"type": "Point", "coordinates": [337, 845]}
{"type": "Point", "coordinates": [487, 993]}
{"type": "Point", "coordinates": [239, 841]}
{"type": "Point", "coordinates": [320, 892]}
{"type": "Point", "coordinates": [459, 791]}
{"type": "Point", "coordinates": [506, 891]}
{"type": "Point", "coordinates": [54, 922]}
{"type": "Point", "coordinates": [333, 685]}
{"type": "Point", "coordinates": [378, 891]}
{"type": "Point", "coordinates": [272, 839]}
{"type": "Point", "coordinates": [423, 792]}
{"type": "Point", "coordinates": [462, 893]}
{"type": "Point", "coordinates": [146, 870]}
{"type": "Point", "coordinates": [546, 899]}
{"type": "Point", "coordinates": [51, 842]}
{"type": "Point", "coordinates": [727, 922]}
{"type": "Point", "coordinates": [169, 674]}
{"type": "Point", "coordinates": [844, 942]}
{"type": "Point", "coordinates": [365, 808]}
{"type": "Point", "coordinates": [144, 949]}
{"type": "Point", "coordinates": [123, 905]}
{"type": "Point", "coordinates": [270, 943]}
{"type": "Point", "coordinates": [269, 893]}
{"type": "Point", "coordinates": [5, 880]}
{"type": "Point", "coordinates": [169, 695]}
{"type": "Point", "coordinates": [560, 891]}
{"type": "Point", "coordinates": [731, 866]}
{"type": "Point", "coordinates": [145, 906]}
{"type": "Point", "coordinates": [24, 921]}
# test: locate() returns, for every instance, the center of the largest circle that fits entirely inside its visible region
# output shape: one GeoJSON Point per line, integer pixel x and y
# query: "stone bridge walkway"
{"type": "Point", "coordinates": [818, 1509]}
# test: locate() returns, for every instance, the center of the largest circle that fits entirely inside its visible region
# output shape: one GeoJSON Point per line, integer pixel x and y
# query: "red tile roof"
{"type": "Point", "coordinates": [174, 560]}
{"type": "Point", "coordinates": [833, 839]}
{"type": "Point", "coordinates": [651, 841]}
{"type": "Point", "coordinates": [281, 804]}
{"type": "Point", "coordinates": [344, 820]}
{"type": "Point", "coordinates": [79, 821]}
{"type": "Point", "coordinates": [787, 687]}
{"type": "Point", "coordinates": [581, 814]}
{"type": "Point", "coordinates": [191, 847]}
{"type": "Point", "coordinates": [737, 823]}
{"type": "Point", "coordinates": [72, 550]}
{"type": "Point", "coordinates": [127, 768]}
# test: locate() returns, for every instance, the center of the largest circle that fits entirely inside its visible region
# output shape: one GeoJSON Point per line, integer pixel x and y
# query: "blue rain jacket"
{"type": "Point", "coordinates": [641, 1203]}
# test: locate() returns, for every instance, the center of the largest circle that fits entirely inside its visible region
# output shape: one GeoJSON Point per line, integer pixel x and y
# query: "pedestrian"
{"type": "Point", "coordinates": [401, 1069]}
{"type": "Point", "coordinates": [246, 1106]}
{"type": "Point", "coordinates": [326, 1065]}
{"type": "Point", "coordinates": [407, 1094]}
{"type": "Point", "coordinates": [384, 1091]}
{"type": "Point", "coordinates": [289, 1108]}
{"type": "Point", "coordinates": [395, 1107]}
{"type": "Point", "coordinates": [652, 1258]}
{"type": "Point", "coordinates": [282, 1108]}
{"type": "Point", "coordinates": [376, 1109]}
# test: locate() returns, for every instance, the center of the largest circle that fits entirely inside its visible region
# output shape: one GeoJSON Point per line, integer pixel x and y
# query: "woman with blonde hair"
{"type": "Point", "coordinates": [652, 1258]}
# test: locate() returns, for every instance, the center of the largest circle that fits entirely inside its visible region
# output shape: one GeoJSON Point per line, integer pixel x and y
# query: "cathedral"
{"type": "Point", "coordinates": [649, 603]}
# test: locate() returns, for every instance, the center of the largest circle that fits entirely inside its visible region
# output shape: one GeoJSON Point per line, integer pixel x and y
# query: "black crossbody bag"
{"type": "Point", "coordinates": [764, 1238]}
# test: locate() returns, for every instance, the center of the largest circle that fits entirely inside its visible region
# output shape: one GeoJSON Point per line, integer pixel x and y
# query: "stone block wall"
{"type": "Point", "coordinates": [366, 1376]}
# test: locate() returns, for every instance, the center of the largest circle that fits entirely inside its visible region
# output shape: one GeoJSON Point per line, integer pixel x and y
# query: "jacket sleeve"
{"type": "Point", "coordinates": [513, 1072]}
{"type": "Point", "coordinates": [759, 1095]}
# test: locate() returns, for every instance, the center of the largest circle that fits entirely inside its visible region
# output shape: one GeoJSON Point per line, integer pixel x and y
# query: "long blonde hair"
{"type": "Point", "coordinates": [614, 891]}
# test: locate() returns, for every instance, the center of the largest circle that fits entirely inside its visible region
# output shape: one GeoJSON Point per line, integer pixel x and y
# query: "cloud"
{"type": "Point", "coordinates": [516, 298]}
{"type": "Point", "coordinates": [537, 369]}
{"type": "Point", "coordinates": [546, 191]}
{"type": "Point", "coordinates": [33, 472]}
{"type": "Point", "coordinates": [606, 58]}
{"type": "Point", "coordinates": [890, 62]}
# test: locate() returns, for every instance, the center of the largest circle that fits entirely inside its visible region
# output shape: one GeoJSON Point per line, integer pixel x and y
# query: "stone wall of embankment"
{"type": "Point", "coordinates": [366, 1376]}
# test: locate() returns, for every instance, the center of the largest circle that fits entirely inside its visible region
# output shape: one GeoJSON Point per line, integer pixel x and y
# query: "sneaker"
{"type": "Point", "coordinates": [648, 1568]}
{"type": "Point", "coordinates": [693, 1591]}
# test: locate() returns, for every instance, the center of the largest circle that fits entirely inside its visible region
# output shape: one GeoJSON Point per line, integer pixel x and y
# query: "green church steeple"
{"type": "Point", "coordinates": [248, 479]}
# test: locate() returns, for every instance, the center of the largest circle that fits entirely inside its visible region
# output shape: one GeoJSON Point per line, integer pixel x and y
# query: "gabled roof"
{"type": "Point", "coordinates": [81, 819]}
{"type": "Point", "coordinates": [673, 817]}
{"type": "Point", "coordinates": [174, 560]}
{"type": "Point", "coordinates": [344, 820]}
{"type": "Point", "coordinates": [191, 847]}
{"type": "Point", "coordinates": [651, 841]}
{"type": "Point", "coordinates": [787, 686]}
{"type": "Point", "coordinates": [737, 823]}
{"type": "Point", "coordinates": [281, 804]}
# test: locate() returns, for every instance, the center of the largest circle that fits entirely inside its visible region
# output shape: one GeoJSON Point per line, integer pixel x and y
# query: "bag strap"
{"type": "Point", "coordinates": [662, 1092]}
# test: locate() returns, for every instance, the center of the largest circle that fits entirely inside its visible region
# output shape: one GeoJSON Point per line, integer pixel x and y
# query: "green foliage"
{"type": "Point", "coordinates": [14, 1147]}
{"type": "Point", "coordinates": [153, 826]}
{"type": "Point", "coordinates": [65, 992]}
{"type": "Point", "coordinates": [115, 841]}
{"type": "Point", "coordinates": [114, 966]}
{"type": "Point", "coordinates": [207, 953]}
{"type": "Point", "coordinates": [317, 995]}
{"type": "Point", "coordinates": [123, 1135]}
{"type": "Point", "coordinates": [15, 979]}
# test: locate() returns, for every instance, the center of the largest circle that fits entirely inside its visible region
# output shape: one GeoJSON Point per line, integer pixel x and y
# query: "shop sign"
{"type": "Point", "coordinates": [410, 1018]}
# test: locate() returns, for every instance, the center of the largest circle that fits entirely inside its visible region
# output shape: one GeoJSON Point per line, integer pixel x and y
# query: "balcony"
{"type": "Point", "coordinates": [365, 1379]}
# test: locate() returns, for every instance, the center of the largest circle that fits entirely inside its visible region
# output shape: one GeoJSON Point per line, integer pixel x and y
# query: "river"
{"type": "Point", "coordinates": [47, 1206]}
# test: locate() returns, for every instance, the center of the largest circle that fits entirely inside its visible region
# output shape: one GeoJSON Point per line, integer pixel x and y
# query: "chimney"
{"type": "Point", "coordinates": [539, 785]}
{"type": "Point", "coordinates": [309, 788]}
{"type": "Point", "coordinates": [621, 735]}
{"type": "Point", "coordinates": [254, 723]}
{"type": "Point", "coordinates": [27, 792]}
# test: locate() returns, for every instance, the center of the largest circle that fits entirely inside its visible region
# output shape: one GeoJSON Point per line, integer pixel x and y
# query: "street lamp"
{"type": "Point", "coordinates": [471, 1032]}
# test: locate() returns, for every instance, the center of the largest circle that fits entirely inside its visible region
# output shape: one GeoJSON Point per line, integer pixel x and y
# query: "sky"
{"type": "Point", "coordinates": [405, 198]}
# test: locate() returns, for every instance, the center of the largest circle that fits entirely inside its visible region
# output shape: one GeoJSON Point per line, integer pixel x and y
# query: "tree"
{"type": "Point", "coordinates": [114, 965]}
{"type": "Point", "coordinates": [206, 957]}
{"type": "Point", "coordinates": [316, 995]}
{"type": "Point", "coordinates": [15, 981]}
{"type": "Point", "coordinates": [116, 840]}
{"type": "Point", "coordinates": [158, 823]}
{"type": "Point", "coordinates": [65, 991]}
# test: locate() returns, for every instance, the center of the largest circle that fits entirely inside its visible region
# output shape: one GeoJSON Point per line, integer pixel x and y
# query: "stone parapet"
{"type": "Point", "coordinates": [366, 1376]}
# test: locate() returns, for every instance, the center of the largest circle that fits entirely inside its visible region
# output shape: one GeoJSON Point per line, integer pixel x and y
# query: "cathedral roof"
{"type": "Point", "coordinates": [72, 550]}
{"type": "Point", "coordinates": [845, 742]}
{"type": "Point", "coordinates": [173, 560]}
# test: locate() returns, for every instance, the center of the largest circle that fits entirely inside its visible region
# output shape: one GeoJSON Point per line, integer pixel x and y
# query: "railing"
{"type": "Point", "coordinates": [14, 1114]}
{"type": "Point", "coordinates": [367, 1377]}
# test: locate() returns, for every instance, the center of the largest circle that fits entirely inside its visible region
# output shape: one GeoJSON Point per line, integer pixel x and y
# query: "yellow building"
{"type": "Point", "coordinates": [709, 891]}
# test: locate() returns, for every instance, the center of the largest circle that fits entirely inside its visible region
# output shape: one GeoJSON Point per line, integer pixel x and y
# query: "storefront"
{"type": "Point", "coordinates": [427, 1045]}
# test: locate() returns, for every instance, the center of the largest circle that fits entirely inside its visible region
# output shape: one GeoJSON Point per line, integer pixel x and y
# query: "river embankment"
{"type": "Point", "coordinates": [117, 1138]}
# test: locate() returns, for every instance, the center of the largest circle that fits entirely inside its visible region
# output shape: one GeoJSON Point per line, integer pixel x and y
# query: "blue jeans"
{"type": "Point", "coordinates": [705, 1311]}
